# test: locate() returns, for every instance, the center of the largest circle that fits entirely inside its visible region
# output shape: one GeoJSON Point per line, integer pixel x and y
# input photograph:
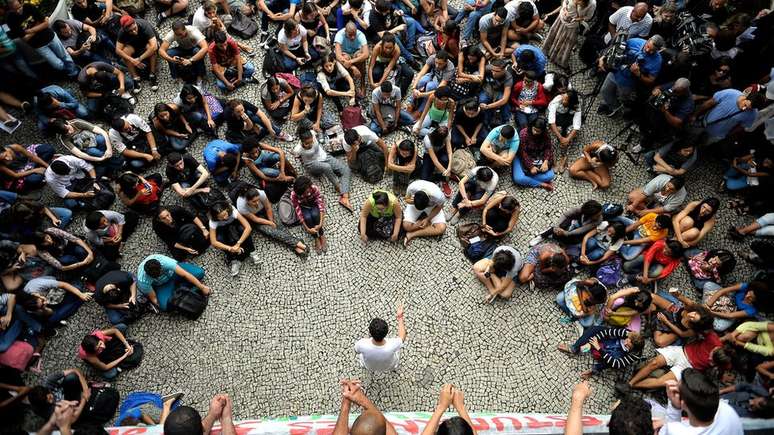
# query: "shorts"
{"type": "Point", "coordinates": [675, 359]}
{"type": "Point", "coordinates": [411, 214]}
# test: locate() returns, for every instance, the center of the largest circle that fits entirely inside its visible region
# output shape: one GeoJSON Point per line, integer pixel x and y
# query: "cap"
{"type": "Point", "coordinates": [126, 21]}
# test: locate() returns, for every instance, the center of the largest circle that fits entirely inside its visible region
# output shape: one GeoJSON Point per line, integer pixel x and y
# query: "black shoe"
{"type": "Point", "coordinates": [735, 234]}
{"type": "Point", "coordinates": [416, 66]}
{"type": "Point", "coordinates": [622, 389]}
{"type": "Point", "coordinates": [604, 110]}
{"type": "Point", "coordinates": [154, 82]}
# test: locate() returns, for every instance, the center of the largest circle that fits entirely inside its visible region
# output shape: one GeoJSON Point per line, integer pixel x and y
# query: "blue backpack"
{"type": "Point", "coordinates": [481, 249]}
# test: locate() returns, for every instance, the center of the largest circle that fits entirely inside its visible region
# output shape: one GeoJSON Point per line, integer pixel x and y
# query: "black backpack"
{"type": "Point", "coordinates": [115, 107]}
{"type": "Point", "coordinates": [370, 159]}
{"type": "Point", "coordinates": [242, 26]}
{"type": "Point", "coordinates": [272, 62]}
{"type": "Point", "coordinates": [101, 406]}
{"type": "Point", "coordinates": [189, 302]}
{"type": "Point", "coordinates": [103, 198]}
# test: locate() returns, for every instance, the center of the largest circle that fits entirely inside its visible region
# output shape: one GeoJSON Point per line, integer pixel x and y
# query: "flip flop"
{"type": "Point", "coordinates": [175, 396]}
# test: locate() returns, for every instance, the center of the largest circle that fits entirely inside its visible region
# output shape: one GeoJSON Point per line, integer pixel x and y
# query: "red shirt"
{"type": "Point", "coordinates": [224, 57]}
{"type": "Point", "coordinates": [655, 254]}
{"type": "Point", "coordinates": [699, 352]}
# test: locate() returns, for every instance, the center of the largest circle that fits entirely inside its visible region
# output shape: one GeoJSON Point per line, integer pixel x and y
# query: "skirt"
{"type": "Point", "coordinates": [560, 41]}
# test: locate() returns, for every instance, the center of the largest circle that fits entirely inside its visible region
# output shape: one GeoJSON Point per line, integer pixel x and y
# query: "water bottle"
{"type": "Point", "coordinates": [751, 180]}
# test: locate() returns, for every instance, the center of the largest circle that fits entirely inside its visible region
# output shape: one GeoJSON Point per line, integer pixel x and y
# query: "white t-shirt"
{"type": "Point", "coordinates": [292, 43]}
{"type": "Point", "coordinates": [604, 239]}
{"type": "Point", "coordinates": [314, 154]}
{"type": "Point", "coordinates": [214, 225]}
{"type": "Point", "coordinates": [490, 186]}
{"type": "Point", "coordinates": [243, 207]}
{"type": "Point", "coordinates": [119, 138]}
{"type": "Point", "coordinates": [379, 358]}
{"type": "Point", "coordinates": [431, 189]}
{"type": "Point", "coordinates": [513, 6]}
{"type": "Point", "coordinates": [366, 137]}
{"type": "Point", "coordinates": [200, 20]}
{"type": "Point", "coordinates": [517, 264]}
{"type": "Point", "coordinates": [726, 422]}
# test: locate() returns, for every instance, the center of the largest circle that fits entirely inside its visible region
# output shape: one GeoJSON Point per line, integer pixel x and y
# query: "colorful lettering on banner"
{"type": "Point", "coordinates": [499, 426]}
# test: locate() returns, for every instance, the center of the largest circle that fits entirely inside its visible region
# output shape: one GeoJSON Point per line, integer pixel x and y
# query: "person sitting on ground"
{"type": "Point", "coordinates": [141, 408]}
{"type": "Point", "coordinates": [582, 300]}
{"type": "Point", "coordinates": [201, 109]}
{"type": "Point", "coordinates": [437, 71]}
{"type": "Point", "coordinates": [116, 291]}
{"type": "Point", "coordinates": [402, 161]}
{"type": "Point", "coordinates": [384, 64]}
{"type": "Point", "coordinates": [294, 46]}
{"type": "Point", "coordinates": [379, 354]}
{"type": "Point", "coordinates": [753, 337]}
{"type": "Point", "coordinates": [68, 385]}
{"type": "Point", "coordinates": [335, 81]}
{"type": "Point", "coordinates": [381, 217]}
{"type": "Point", "coordinates": [172, 129]}
{"type": "Point", "coordinates": [351, 49]}
{"type": "Point", "coordinates": [267, 163]}
{"type": "Point", "coordinates": [137, 47]}
{"type": "Point", "coordinates": [739, 301]}
{"type": "Point", "coordinates": [369, 422]}
{"type": "Point", "coordinates": [318, 163]}
{"type": "Point", "coordinates": [748, 400]}
{"type": "Point", "coordinates": [109, 352]}
{"type": "Point", "coordinates": [493, 34]}
{"type": "Point", "coordinates": [360, 138]}
{"type": "Point", "coordinates": [141, 194]}
{"type": "Point", "coordinates": [573, 224]}
{"type": "Point", "coordinates": [546, 265]}
{"type": "Point", "coordinates": [386, 110]}
{"type": "Point", "coordinates": [761, 227]}
{"type": "Point", "coordinates": [468, 131]}
{"type": "Point", "coordinates": [500, 214]}
{"type": "Point", "coordinates": [41, 299]}
{"type": "Point", "coordinates": [662, 194]}
{"type": "Point", "coordinates": [655, 263]}
{"type": "Point", "coordinates": [528, 99]}
{"type": "Point", "coordinates": [54, 102]}
{"type": "Point", "coordinates": [438, 112]}
{"type": "Point", "coordinates": [183, 232]}
{"type": "Point", "coordinates": [625, 307]}
{"type": "Point", "coordinates": [222, 159]}
{"type": "Point", "coordinates": [106, 230]}
{"type": "Point", "coordinates": [89, 142]}
{"type": "Point", "coordinates": [228, 66]}
{"type": "Point", "coordinates": [437, 160]}
{"type": "Point", "coordinates": [475, 189]}
{"type": "Point", "coordinates": [499, 273]}
{"type": "Point", "coordinates": [99, 81]}
{"type": "Point", "coordinates": [187, 421]}
{"type": "Point", "coordinates": [231, 233]}
{"type": "Point", "coordinates": [746, 170]}
{"type": "Point", "coordinates": [243, 120]}
{"type": "Point", "coordinates": [525, 22]}
{"type": "Point", "coordinates": [641, 233]}
{"type": "Point", "coordinates": [534, 165]}
{"type": "Point", "coordinates": [598, 158]}
{"type": "Point", "coordinates": [565, 119]}
{"type": "Point", "coordinates": [500, 146]}
{"type": "Point", "coordinates": [602, 243]}
{"type": "Point", "coordinates": [675, 158]}
{"type": "Point", "coordinates": [708, 266]}
{"type": "Point", "coordinates": [679, 318]}
{"type": "Point", "coordinates": [496, 92]}
{"type": "Point", "coordinates": [615, 348]}
{"type": "Point", "coordinates": [23, 217]}
{"type": "Point", "coordinates": [308, 111]}
{"type": "Point", "coordinates": [423, 216]}
{"type": "Point", "coordinates": [276, 96]}
{"type": "Point", "coordinates": [186, 59]}
{"type": "Point", "coordinates": [171, 8]}
{"type": "Point", "coordinates": [252, 203]}
{"type": "Point", "coordinates": [309, 207]}
{"type": "Point", "coordinates": [61, 176]}
{"type": "Point", "coordinates": [62, 250]}
{"type": "Point", "coordinates": [695, 221]}
{"type": "Point", "coordinates": [133, 138]}
{"type": "Point", "coordinates": [460, 424]}
{"type": "Point", "coordinates": [23, 169]}
{"type": "Point", "coordinates": [188, 178]}
{"type": "Point", "coordinates": [158, 276]}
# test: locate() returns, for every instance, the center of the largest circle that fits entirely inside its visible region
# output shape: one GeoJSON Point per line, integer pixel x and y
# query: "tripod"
{"type": "Point", "coordinates": [630, 131]}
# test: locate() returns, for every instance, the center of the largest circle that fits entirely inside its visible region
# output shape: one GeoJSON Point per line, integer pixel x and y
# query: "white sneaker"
{"type": "Point", "coordinates": [637, 149]}
{"type": "Point", "coordinates": [235, 267]}
{"type": "Point", "coordinates": [535, 240]}
{"type": "Point", "coordinates": [255, 257]}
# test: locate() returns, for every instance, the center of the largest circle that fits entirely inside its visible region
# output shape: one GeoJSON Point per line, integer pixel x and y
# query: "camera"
{"type": "Point", "coordinates": [663, 98]}
{"type": "Point", "coordinates": [615, 55]}
{"type": "Point", "coordinates": [691, 35]}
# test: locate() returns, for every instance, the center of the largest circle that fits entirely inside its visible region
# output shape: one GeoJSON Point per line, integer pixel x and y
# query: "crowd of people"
{"type": "Point", "coordinates": [480, 93]}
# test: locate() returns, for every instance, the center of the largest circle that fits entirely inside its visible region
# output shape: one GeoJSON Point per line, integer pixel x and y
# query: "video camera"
{"type": "Point", "coordinates": [615, 54]}
{"type": "Point", "coordinates": [691, 35]}
{"type": "Point", "coordinates": [664, 97]}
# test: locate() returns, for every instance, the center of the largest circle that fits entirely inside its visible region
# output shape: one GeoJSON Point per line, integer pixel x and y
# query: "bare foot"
{"type": "Point", "coordinates": [562, 164]}
{"type": "Point", "coordinates": [594, 186]}
{"type": "Point", "coordinates": [563, 348]}
{"type": "Point", "coordinates": [407, 240]}
{"type": "Point", "coordinates": [317, 246]}
{"type": "Point", "coordinates": [548, 186]}
{"type": "Point", "coordinates": [344, 201]}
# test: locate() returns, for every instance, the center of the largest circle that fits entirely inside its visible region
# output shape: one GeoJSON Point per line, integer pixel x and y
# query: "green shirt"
{"type": "Point", "coordinates": [389, 211]}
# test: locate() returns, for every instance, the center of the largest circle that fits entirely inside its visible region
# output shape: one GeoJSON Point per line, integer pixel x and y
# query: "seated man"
{"type": "Point", "coordinates": [369, 422]}
{"type": "Point", "coordinates": [619, 88]}
{"type": "Point", "coordinates": [386, 110]}
{"type": "Point", "coordinates": [675, 158]}
{"type": "Point", "coordinates": [379, 354]}
{"type": "Point", "coordinates": [493, 34]}
{"type": "Point", "coordinates": [116, 291]}
{"type": "Point", "coordinates": [188, 178]}
{"type": "Point", "coordinates": [662, 194]}
{"type": "Point", "coordinates": [359, 138]}
{"type": "Point", "coordinates": [132, 137]}
{"type": "Point", "coordinates": [53, 102]}
{"type": "Point", "coordinates": [83, 42]}
{"type": "Point", "coordinates": [384, 18]}
{"type": "Point", "coordinates": [99, 81]}
{"type": "Point", "coordinates": [107, 230]}
{"type": "Point", "coordinates": [267, 163]}
{"type": "Point", "coordinates": [137, 46]}
{"type": "Point", "coordinates": [573, 224]}
{"type": "Point", "coordinates": [351, 49]}
{"type": "Point", "coordinates": [423, 216]}
{"type": "Point", "coordinates": [475, 189]}
{"type": "Point", "coordinates": [496, 93]}
{"type": "Point", "coordinates": [697, 395]}
{"type": "Point", "coordinates": [63, 173]}
{"type": "Point", "coordinates": [499, 274]}
{"type": "Point", "coordinates": [530, 58]}
{"type": "Point", "coordinates": [186, 59]}
{"type": "Point", "coordinates": [437, 71]}
{"type": "Point", "coordinates": [222, 159]}
{"type": "Point", "coordinates": [524, 19]}
{"type": "Point", "coordinates": [500, 146]}
{"type": "Point", "coordinates": [615, 348]}
{"type": "Point", "coordinates": [158, 276]}
{"type": "Point", "coordinates": [659, 124]}
{"type": "Point", "coordinates": [70, 388]}
{"type": "Point", "coordinates": [469, 131]}
{"type": "Point", "coordinates": [228, 66]}
{"type": "Point", "coordinates": [381, 217]}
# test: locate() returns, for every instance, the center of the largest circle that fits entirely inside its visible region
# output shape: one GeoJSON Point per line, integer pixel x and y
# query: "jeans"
{"type": "Point", "coordinates": [19, 321]}
{"type": "Point", "coordinates": [473, 192]}
{"type": "Point", "coordinates": [334, 170]}
{"type": "Point", "coordinates": [521, 178]}
{"type": "Point", "coordinates": [473, 17]}
{"type": "Point", "coordinates": [458, 141]}
{"type": "Point", "coordinates": [56, 56]}
{"type": "Point", "coordinates": [266, 163]}
{"type": "Point", "coordinates": [413, 30]}
{"type": "Point", "coordinates": [767, 225]}
{"type": "Point", "coordinates": [197, 68]}
{"type": "Point", "coordinates": [290, 65]}
{"type": "Point", "coordinates": [177, 143]}
{"type": "Point", "coordinates": [403, 120]}
{"type": "Point", "coordinates": [65, 309]}
{"type": "Point", "coordinates": [489, 115]}
{"type": "Point", "coordinates": [736, 180]}
{"type": "Point", "coordinates": [630, 252]}
{"type": "Point", "coordinates": [428, 168]}
{"type": "Point", "coordinates": [593, 250]}
{"type": "Point", "coordinates": [585, 321]}
{"type": "Point", "coordinates": [524, 119]}
{"type": "Point", "coordinates": [164, 291]}
{"type": "Point", "coordinates": [634, 267]}
{"type": "Point", "coordinates": [718, 324]}
{"type": "Point", "coordinates": [614, 94]}
{"type": "Point", "coordinates": [248, 69]}
{"type": "Point", "coordinates": [65, 216]}
{"type": "Point", "coordinates": [584, 338]}
{"type": "Point", "coordinates": [311, 216]}
{"type": "Point", "coordinates": [275, 6]}
{"type": "Point", "coordinates": [425, 84]}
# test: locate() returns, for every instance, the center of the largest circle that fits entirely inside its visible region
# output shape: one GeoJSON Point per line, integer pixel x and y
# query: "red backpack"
{"type": "Point", "coordinates": [351, 117]}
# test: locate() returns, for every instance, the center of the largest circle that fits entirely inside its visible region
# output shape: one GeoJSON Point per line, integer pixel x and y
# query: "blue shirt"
{"type": "Point", "coordinates": [146, 283]}
{"type": "Point", "coordinates": [212, 149]}
{"type": "Point", "coordinates": [741, 305]}
{"type": "Point", "coordinates": [650, 64]}
{"type": "Point", "coordinates": [726, 100]}
{"type": "Point", "coordinates": [347, 45]}
{"type": "Point", "coordinates": [539, 65]}
{"type": "Point", "coordinates": [511, 145]}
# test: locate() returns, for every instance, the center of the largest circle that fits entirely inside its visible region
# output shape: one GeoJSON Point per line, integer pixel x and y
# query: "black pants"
{"type": "Point", "coordinates": [131, 219]}
{"type": "Point", "coordinates": [229, 235]}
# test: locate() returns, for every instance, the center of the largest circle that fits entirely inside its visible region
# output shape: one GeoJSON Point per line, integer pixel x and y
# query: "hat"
{"type": "Point", "coordinates": [770, 90]}
{"type": "Point", "coordinates": [126, 21]}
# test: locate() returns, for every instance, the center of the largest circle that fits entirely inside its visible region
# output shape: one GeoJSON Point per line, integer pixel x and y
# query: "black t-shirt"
{"type": "Point", "coordinates": [379, 22]}
{"type": "Point", "coordinates": [122, 280]}
{"type": "Point", "coordinates": [91, 12]}
{"type": "Point", "coordinates": [168, 234]}
{"type": "Point", "coordinates": [466, 123]}
{"type": "Point", "coordinates": [145, 32]}
{"type": "Point", "coordinates": [189, 174]}
{"type": "Point", "coordinates": [29, 17]}
{"type": "Point", "coordinates": [91, 84]}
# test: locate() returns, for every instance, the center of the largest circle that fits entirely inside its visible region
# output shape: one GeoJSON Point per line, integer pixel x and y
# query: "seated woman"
{"type": "Point", "coordinates": [110, 353]}
{"type": "Point", "coordinates": [116, 292]}
{"type": "Point", "coordinates": [201, 109]}
{"type": "Point", "coordinates": [746, 171]}
{"type": "Point", "coordinates": [535, 158]}
{"type": "Point", "coordinates": [614, 348]}
{"type": "Point", "coordinates": [737, 302]}
{"type": "Point", "coordinates": [24, 217]}
{"type": "Point", "coordinates": [528, 99]}
{"type": "Point", "coordinates": [469, 131]}
{"type": "Point", "coordinates": [173, 133]}
{"type": "Point", "coordinates": [663, 194]}
{"type": "Point", "coordinates": [335, 81]}
{"type": "Point", "coordinates": [471, 69]}
{"type": "Point", "coordinates": [276, 96]}
{"type": "Point", "coordinates": [708, 266]}
{"type": "Point", "coordinates": [183, 232]}
{"type": "Point", "coordinates": [90, 143]}
{"type": "Point", "coordinates": [22, 168]}
{"type": "Point", "coordinates": [475, 189]}
{"type": "Point", "coordinates": [52, 301]}
{"type": "Point", "coordinates": [62, 250]}
{"type": "Point", "coordinates": [402, 161]}
{"type": "Point", "coordinates": [602, 243]}
{"type": "Point", "coordinates": [648, 229]}
{"type": "Point", "coordinates": [564, 121]}
{"type": "Point", "coordinates": [678, 318]}
{"type": "Point", "coordinates": [311, 18]}
{"type": "Point", "coordinates": [436, 162]}
{"type": "Point", "coordinates": [582, 300]}
{"type": "Point", "coordinates": [756, 337]}
{"type": "Point", "coordinates": [294, 46]}
{"type": "Point", "coordinates": [307, 110]}
{"type": "Point", "coordinates": [309, 206]}
{"type": "Point", "coordinates": [547, 265]}
{"type": "Point", "coordinates": [500, 214]}
{"type": "Point", "coordinates": [230, 232]}
{"type": "Point", "coordinates": [141, 194]}
{"type": "Point", "coordinates": [252, 203]}
{"type": "Point", "coordinates": [656, 263]}
{"type": "Point", "coordinates": [438, 112]}
{"type": "Point", "coordinates": [623, 308]}
{"type": "Point", "coordinates": [384, 64]}
{"type": "Point", "coordinates": [140, 408]}
{"type": "Point", "coordinates": [381, 217]}
{"type": "Point", "coordinates": [499, 273]}
{"type": "Point", "coordinates": [695, 221]}
{"type": "Point", "coordinates": [598, 158]}
{"type": "Point", "coordinates": [18, 265]}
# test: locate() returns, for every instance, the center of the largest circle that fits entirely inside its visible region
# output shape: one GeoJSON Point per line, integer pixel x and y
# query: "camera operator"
{"type": "Point", "coordinates": [641, 66]}
{"type": "Point", "coordinates": [668, 108]}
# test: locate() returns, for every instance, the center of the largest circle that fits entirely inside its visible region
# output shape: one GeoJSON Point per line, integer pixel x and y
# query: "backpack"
{"type": "Point", "coordinates": [242, 26]}
{"type": "Point", "coordinates": [611, 210]}
{"type": "Point", "coordinates": [286, 211]}
{"type": "Point", "coordinates": [370, 159]}
{"type": "Point", "coordinates": [272, 62]}
{"type": "Point", "coordinates": [462, 162]}
{"type": "Point", "coordinates": [426, 45]}
{"type": "Point", "coordinates": [274, 190]}
{"type": "Point", "coordinates": [189, 302]}
{"type": "Point", "coordinates": [351, 117]}
{"type": "Point", "coordinates": [468, 233]}
{"type": "Point", "coordinates": [101, 406]}
{"type": "Point", "coordinates": [103, 198]}
{"type": "Point", "coordinates": [115, 107]}
{"type": "Point", "coordinates": [236, 188]}
{"type": "Point", "coordinates": [610, 273]}
{"type": "Point", "coordinates": [292, 80]}
{"type": "Point", "coordinates": [480, 249]}
{"type": "Point", "coordinates": [133, 360]}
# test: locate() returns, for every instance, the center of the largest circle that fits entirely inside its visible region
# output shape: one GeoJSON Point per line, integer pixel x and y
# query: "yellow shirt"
{"type": "Point", "coordinates": [648, 228]}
